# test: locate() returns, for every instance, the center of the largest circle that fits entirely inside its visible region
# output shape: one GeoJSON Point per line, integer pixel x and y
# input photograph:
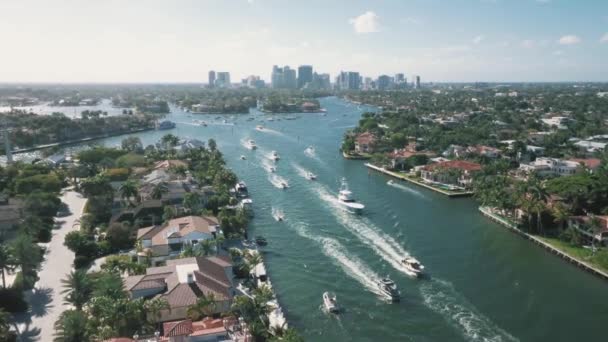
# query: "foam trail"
{"type": "Point", "coordinates": [350, 264]}
{"type": "Point", "coordinates": [277, 214]}
{"type": "Point", "coordinates": [384, 245]}
{"type": "Point", "coordinates": [277, 180]}
{"type": "Point", "coordinates": [300, 170]}
{"type": "Point", "coordinates": [407, 189]}
{"type": "Point", "coordinates": [441, 297]}
{"type": "Point", "coordinates": [270, 131]}
{"type": "Point", "coordinates": [310, 151]}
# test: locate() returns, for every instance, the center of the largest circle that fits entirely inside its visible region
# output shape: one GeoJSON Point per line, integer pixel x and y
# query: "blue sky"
{"type": "Point", "coordinates": [180, 40]}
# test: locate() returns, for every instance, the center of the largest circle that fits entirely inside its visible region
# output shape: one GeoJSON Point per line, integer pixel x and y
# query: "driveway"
{"type": "Point", "coordinates": [46, 300]}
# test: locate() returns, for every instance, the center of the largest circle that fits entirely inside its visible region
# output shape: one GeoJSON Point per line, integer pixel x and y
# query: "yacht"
{"type": "Point", "coordinates": [413, 265]}
{"type": "Point", "coordinates": [389, 289]}
{"type": "Point", "coordinates": [330, 303]}
{"type": "Point", "coordinates": [310, 149]}
{"type": "Point", "coordinates": [274, 156]}
{"type": "Point", "coordinates": [278, 216]}
{"type": "Point", "coordinates": [345, 198]}
{"type": "Point", "coordinates": [204, 124]}
{"type": "Point", "coordinates": [390, 182]}
{"type": "Point", "coordinates": [251, 145]}
{"type": "Point", "coordinates": [311, 176]}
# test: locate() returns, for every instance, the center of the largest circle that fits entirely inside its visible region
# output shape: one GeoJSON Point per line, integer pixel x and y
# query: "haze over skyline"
{"type": "Point", "coordinates": [179, 41]}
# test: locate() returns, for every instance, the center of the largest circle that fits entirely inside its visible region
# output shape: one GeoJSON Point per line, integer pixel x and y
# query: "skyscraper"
{"type": "Point", "coordinates": [284, 78]}
{"type": "Point", "coordinates": [304, 75]}
{"type": "Point", "coordinates": [417, 85]}
{"type": "Point", "coordinates": [384, 82]}
{"type": "Point", "coordinates": [211, 78]}
{"type": "Point", "coordinates": [276, 78]}
{"type": "Point", "coordinates": [223, 79]}
{"type": "Point", "coordinates": [399, 78]}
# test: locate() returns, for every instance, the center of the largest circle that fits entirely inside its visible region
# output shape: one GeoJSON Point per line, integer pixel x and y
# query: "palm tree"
{"type": "Point", "coordinates": [6, 262]}
{"type": "Point", "coordinates": [206, 247]}
{"type": "Point", "coordinates": [78, 287]}
{"type": "Point", "coordinates": [191, 201]}
{"type": "Point", "coordinates": [253, 259]}
{"type": "Point", "coordinates": [154, 308]}
{"type": "Point", "coordinates": [159, 190]}
{"type": "Point", "coordinates": [169, 140]}
{"type": "Point", "coordinates": [71, 327]}
{"type": "Point", "coordinates": [5, 334]}
{"type": "Point", "coordinates": [187, 252]}
{"type": "Point", "coordinates": [204, 306]}
{"type": "Point", "coordinates": [263, 294]}
{"type": "Point", "coordinates": [128, 190]}
{"type": "Point", "coordinates": [219, 242]}
{"type": "Point", "coordinates": [27, 256]}
{"type": "Point", "coordinates": [560, 213]}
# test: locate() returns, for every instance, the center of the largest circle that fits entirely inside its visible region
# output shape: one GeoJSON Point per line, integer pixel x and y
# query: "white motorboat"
{"type": "Point", "coordinates": [250, 144]}
{"type": "Point", "coordinates": [241, 189]}
{"type": "Point", "coordinates": [345, 198]}
{"type": "Point", "coordinates": [389, 289]}
{"type": "Point", "coordinates": [284, 185]}
{"type": "Point", "coordinates": [311, 176]}
{"type": "Point", "coordinates": [278, 215]}
{"type": "Point", "coordinates": [330, 302]}
{"type": "Point", "coordinates": [259, 127]}
{"type": "Point", "coordinates": [274, 156]}
{"type": "Point", "coordinates": [243, 157]}
{"type": "Point", "coordinates": [390, 182]}
{"type": "Point", "coordinates": [413, 265]}
{"type": "Point", "coordinates": [272, 169]}
{"type": "Point", "coordinates": [203, 123]}
{"type": "Point", "coordinates": [310, 150]}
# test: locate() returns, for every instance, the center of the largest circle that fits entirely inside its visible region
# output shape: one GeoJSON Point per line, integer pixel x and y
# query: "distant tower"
{"type": "Point", "coordinates": [6, 131]}
{"type": "Point", "coordinates": [417, 82]}
{"type": "Point", "coordinates": [211, 78]}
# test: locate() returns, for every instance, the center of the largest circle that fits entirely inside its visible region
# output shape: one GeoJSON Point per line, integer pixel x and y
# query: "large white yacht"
{"type": "Point", "coordinates": [345, 198]}
{"type": "Point", "coordinates": [250, 144]}
{"type": "Point", "coordinates": [330, 302]}
{"type": "Point", "coordinates": [413, 265]}
{"type": "Point", "coordinates": [389, 289]}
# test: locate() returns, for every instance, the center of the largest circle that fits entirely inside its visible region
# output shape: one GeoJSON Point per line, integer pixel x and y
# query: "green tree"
{"type": "Point", "coordinates": [159, 190]}
{"type": "Point", "coordinates": [27, 256]}
{"type": "Point", "coordinates": [204, 306]}
{"type": "Point", "coordinates": [78, 288]}
{"type": "Point", "coordinates": [132, 144]}
{"type": "Point", "coordinates": [128, 190]}
{"type": "Point", "coordinates": [6, 261]}
{"type": "Point", "coordinates": [192, 201]}
{"type": "Point", "coordinates": [5, 333]}
{"type": "Point", "coordinates": [71, 327]}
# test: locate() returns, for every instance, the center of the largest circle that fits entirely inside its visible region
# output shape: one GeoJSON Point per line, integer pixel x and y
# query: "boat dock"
{"type": "Point", "coordinates": [579, 263]}
{"type": "Point", "coordinates": [422, 184]}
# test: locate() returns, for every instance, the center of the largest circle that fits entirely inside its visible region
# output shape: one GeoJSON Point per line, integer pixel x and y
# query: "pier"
{"type": "Point", "coordinates": [577, 262]}
{"type": "Point", "coordinates": [422, 184]}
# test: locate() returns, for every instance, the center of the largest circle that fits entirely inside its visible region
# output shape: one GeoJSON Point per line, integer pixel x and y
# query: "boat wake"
{"type": "Point", "coordinates": [270, 131]}
{"type": "Point", "coordinates": [278, 181]}
{"type": "Point", "coordinates": [268, 165]}
{"type": "Point", "coordinates": [404, 188]}
{"type": "Point", "coordinates": [441, 297]}
{"type": "Point", "coordinates": [383, 245]}
{"type": "Point", "coordinates": [278, 214]}
{"type": "Point", "coordinates": [350, 264]}
{"type": "Point", "coordinates": [300, 170]}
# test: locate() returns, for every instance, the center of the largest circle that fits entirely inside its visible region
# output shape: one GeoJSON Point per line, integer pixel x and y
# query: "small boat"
{"type": "Point", "coordinates": [311, 176]}
{"type": "Point", "coordinates": [389, 289]}
{"type": "Point", "coordinates": [345, 198]}
{"type": "Point", "coordinates": [278, 216]}
{"type": "Point", "coordinates": [250, 119]}
{"type": "Point", "coordinates": [272, 169]}
{"type": "Point", "coordinates": [243, 157]}
{"type": "Point", "coordinates": [274, 156]}
{"type": "Point", "coordinates": [241, 189]}
{"type": "Point", "coordinates": [259, 127]}
{"type": "Point", "coordinates": [413, 265]}
{"type": "Point", "coordinates": [390, 182]}
{"type": "Point", "coordinates": [310, 150]}
{"type": "Point", "coordinates": [204, 124]}
{"type": "Point", "coordinates": [251, 145]}
{"type": "Point", "coordinates": [261, 241]}
{"type": "Point", "coordinates": [330, 303]}
{"type": "Point", "coordinates": [284, 185]}
{"type": "Point", "coordinates": [218, 117]}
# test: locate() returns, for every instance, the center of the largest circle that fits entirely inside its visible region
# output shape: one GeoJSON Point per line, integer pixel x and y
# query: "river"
{"type": "Point", "coordinates": [486, 284]}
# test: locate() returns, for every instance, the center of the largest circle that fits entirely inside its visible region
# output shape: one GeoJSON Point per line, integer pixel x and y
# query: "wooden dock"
{"type": "Point", "coordinates": [450, 194]}
{"type": "Point", "coordinates": [579, 263]}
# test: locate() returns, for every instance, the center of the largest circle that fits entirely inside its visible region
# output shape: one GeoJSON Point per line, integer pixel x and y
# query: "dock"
{"type": "Point", "coordinates": [450, 194]}
{"type": "Point", "coordinates": [577, 262]}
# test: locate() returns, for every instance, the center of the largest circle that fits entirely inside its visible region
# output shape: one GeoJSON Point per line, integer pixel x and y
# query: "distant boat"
{"type": "Point", "coordinates": [311, 176]}
{"type": "Point", "coordinates": [388, 288]}
{"type": "Point", "coordinates": [243, 157]}
{"type": "Point", "coordinates": [413, 265]}
{"type": "Point", "coordinates": [259, 127]}
{"type": "Point", "coordinates": [274, 156]}
{"type": "Point", "coordinates": [330, 302]}
{"type": "Point", "coordinates": [250, 144]}
{"type": "Point", "coordinates": [345, 198]}
{"type": "Point", "coordinates": [261, 241]}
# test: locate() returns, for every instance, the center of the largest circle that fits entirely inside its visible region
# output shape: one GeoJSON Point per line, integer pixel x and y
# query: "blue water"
{"type": "Point", "coordinates": [486, 284]}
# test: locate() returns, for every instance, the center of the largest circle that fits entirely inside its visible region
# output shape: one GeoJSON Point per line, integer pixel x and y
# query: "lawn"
{"type": "Point", "coordinates": [599, 259]}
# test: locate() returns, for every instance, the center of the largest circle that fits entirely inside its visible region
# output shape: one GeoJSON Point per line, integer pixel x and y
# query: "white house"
{"type": "Point", "coordinates": [550, 167]}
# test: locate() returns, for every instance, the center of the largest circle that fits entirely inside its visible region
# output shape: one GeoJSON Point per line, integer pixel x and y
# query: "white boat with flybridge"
{"type": "Point", "coordinates": [311, 176]}
{"type": "Point", "coordinates": [388, 288]}
{"type": "Point", "coordinates": [345, 198]}
{"type": "Point", "coordinates": [413, 265]}
{"type": "Point", "coordinates": [250, 144]}
{"type": "Point", "coordinates": [330, 302]}
{"type": "Point", "coordinates": [274, 156]}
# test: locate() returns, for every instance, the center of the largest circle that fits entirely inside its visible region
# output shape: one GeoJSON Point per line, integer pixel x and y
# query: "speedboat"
{"type": "Point", "coordinates": [259, 127]}
{"type": "Point", "coordinates": [204, 124]}
{"type": "Point", "coordinates": [274, 156]}
{"type": "Point", "coordinates": [345, 198]}
{"type": "Point", "coordinates": [241, 189]}
{"type": "Point", "coordinates": [330, 303]}
{"type": "Point", "coordinates": [261, 241]}
{"type": "Point", "coordinates": [284, 185]}
{"type": "Point", "coordinates": [272, 169]}
{"type": "Point", "coordinates": [413, 265]}
{"type": "Point", "coordinates": [390, 182]}
{"type": "Point", "coordinates": [243, 157]}
{"type": "Point", "coordinates": [251, 145]}
{"type": "Point", "coordinates": [389, 289]}
{"type": "Point", "coordinates": [311, 176]}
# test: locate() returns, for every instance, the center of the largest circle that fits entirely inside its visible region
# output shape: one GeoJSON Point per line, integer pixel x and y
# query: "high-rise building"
{"type": "Point", "coordinates": [211, 78]}
{"type": "Point", "coordinates": [284, 78]}
{"type": "Point", "coordinates": [417, 84]}
{"type": "Point", "coordinates": [348, 80]}
{"type": "Point", "coordinates": [304, 75]}
{"type": "Point", "coordinates": [384, 82]}
{"type": "Point", "coordinates": [223, 79]}
{"type": "Point", "coordinates": [399, 78]}
{"type": "Point", "coordinates": [276, 78]}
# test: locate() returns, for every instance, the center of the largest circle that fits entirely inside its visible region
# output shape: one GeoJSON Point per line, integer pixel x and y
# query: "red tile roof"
{"type": "Point", "coordinates": [590, 163]}
{"type": "Point", "coordinates": [454, 164]}
{"type": "Point", "coordinates": [366, 138]}
{"type": "Point", "coordinates": [179, 328]}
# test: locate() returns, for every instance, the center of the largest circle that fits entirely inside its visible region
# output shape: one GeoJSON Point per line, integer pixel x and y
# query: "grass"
{"type": "Point", "coordinates": [599, 259]}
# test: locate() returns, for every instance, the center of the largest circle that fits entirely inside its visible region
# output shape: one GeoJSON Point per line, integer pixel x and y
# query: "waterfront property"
{"type": "Point", "coordinates": [168, 240]}
{"type": "Point", "coordinates": [593, 227]}
{"type": "Point", "coordinates": [183, 281]}
{"type": "Point", "coordinates": [365, 143]}
{"type": "Point", "coordinates": [453, 172]}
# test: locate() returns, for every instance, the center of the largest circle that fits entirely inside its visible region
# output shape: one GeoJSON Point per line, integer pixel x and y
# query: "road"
{"type": "Point", "coordinates": [46, 300]}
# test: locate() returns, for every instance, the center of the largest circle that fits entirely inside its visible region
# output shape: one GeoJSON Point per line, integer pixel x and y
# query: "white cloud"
{"type": "Point", "coordinates": [367, 22]}
{"type": "Point", "coordinates": [478, 39]}
{"type": "Point", "coordinates": [569, 39]}
{"type": "Point", "coordinates": [604, 38]}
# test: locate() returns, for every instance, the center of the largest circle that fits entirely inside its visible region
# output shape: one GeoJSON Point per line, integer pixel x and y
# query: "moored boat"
{"type": "Point", "coordinates": [311, 176]}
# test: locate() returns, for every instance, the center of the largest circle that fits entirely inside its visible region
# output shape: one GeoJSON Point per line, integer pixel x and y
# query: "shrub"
{"type": "Point", "coordinates": [44, 235]}
{"type": "Point", "coordinates": [81, 261]}
{"type": "Point", "coordinates": [12, 300]}
{"type": "Point", "coordinates": [118, 174]}
{"type": "Point", "coordinates": [25, 282]}
{"type": "Point", "coordinates": [131, 160]}
{"type": "Point", "coordinates": [45, 183]}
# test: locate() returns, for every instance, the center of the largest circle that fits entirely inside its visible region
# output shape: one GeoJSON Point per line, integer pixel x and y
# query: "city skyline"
{"type": "Point", "coordinates": [180, 41]}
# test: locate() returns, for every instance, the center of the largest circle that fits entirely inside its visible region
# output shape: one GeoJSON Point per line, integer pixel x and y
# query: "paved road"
{"type": "Point", "coordinates": [46, 300]}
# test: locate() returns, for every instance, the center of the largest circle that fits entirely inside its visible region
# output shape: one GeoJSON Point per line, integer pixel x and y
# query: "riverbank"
{"type": "Point", "coordinates": [79, 141]}
{"type": "Point", "coordinates": [546, 243]}
{"type": "Point", "coordinates": [406, 178]}
{"type": "Point", "coordinates": [355, 156]}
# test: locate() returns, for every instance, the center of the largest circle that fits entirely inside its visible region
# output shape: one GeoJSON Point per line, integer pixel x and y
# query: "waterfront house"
{"type": "Point", "coordinates": [593, 227]}
{"type": "Point", "coordinates": [484, 151]}
{"type": "Point", "coordinates": [365, 143]}
{"type": "Point", "coordinates": [167, 241]}
{"type": "Point", "coordinates": [169, 164]}
{"type": "Point", "coordinates": [544, 167]}
{"type": "Point", "coordinates": [591, 164]}
{"type": "Point", "coordinates": [456, 151]}
{"type": "Point", "coordinates": [399, 156]}
{"type": "Point", "coordinates": [182, 281]}
{"type": "Point", "coordinates": [187, 145]}
{"type": "Point", "coordinates": [590, 147]}
{"type": "Point", "coordinates": [454, 172]}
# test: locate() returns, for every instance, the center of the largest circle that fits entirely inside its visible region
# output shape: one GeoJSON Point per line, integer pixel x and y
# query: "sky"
{"type": "Point", "coordinates": [103, 41]}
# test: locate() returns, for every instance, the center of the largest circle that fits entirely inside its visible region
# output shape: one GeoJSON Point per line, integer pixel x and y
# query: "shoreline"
{"type": "Point", "coordinates": [554, 250]}
{"type": "Point", "coordinates": [421, 184]}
